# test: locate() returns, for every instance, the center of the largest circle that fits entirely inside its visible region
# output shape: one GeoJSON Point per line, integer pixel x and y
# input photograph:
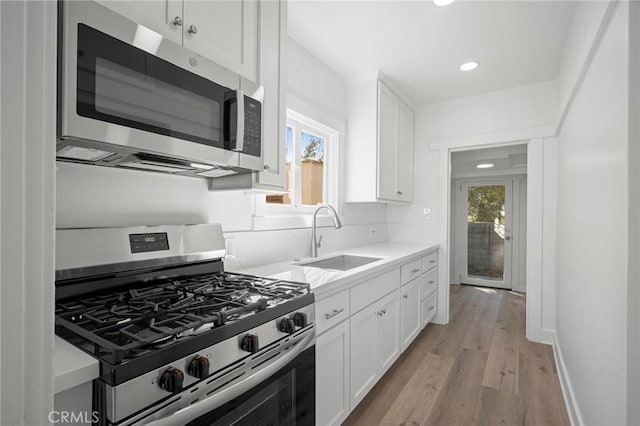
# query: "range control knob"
{"type": "Point", "coordinates": [287, 326]}
{"type": "Point", "coordinates": [300, 319]}
{"type": "Point", "coordinates": [171, 380]}
{"type": "Point", "coordinates": [198, 367]}
{"type": "Point", "coordinates": [250, 343]}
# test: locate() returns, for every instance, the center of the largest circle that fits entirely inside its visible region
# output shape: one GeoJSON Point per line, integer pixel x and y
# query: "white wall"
{"type": "Point", "coordinates": [533, 106]}
{"type": "Point", "coordinates": [592, 233]}
{"type": "Point", "coordinates": [476, 120]}
{"type": "Point", "coordinates": [98, 196]}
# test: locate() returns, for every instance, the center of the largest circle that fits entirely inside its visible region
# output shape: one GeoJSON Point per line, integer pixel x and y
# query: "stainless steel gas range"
{"type": "Point", "coordinates": [179, 340]}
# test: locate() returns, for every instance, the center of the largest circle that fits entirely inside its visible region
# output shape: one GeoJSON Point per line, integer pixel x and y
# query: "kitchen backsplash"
{"type": "Point", "coordinates": [89, 196]}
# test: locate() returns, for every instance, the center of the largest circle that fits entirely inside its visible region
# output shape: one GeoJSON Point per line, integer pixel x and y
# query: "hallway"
{"type": "Point", "coordinates": [480, 369]}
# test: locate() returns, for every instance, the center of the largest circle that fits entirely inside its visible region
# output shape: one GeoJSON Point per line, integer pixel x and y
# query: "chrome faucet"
{"type": "Point", "coordinates": [336, 222]}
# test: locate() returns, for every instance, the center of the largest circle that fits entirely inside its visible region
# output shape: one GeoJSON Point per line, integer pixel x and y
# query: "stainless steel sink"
{"type": "Point", "coordinates": [340, 263]}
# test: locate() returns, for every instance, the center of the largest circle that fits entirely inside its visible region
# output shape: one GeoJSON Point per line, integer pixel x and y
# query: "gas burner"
{"type": "Point", "coordinates": [126, 323]}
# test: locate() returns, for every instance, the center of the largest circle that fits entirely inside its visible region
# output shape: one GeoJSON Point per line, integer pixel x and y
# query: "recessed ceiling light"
{"type": "Point", "coordinates": [443, 2]}
{"type": "Point", "coordinates": [484, 165]}
{"type": "Point", "coordinates": [468, 66]}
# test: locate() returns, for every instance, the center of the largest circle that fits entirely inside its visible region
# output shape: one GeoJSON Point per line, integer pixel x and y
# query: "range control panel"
{"type": "Point", "coordinates": [141, 243]}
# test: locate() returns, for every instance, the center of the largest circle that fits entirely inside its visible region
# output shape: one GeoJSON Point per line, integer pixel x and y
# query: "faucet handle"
{"type": "Point", "coordinates": [319, 243]}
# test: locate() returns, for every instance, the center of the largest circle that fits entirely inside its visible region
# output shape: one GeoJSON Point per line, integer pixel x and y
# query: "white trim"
{"type": "Point", "coordinates": [534, 233]}
{"type": "Point", "coordinates": [535, 215]}
{"type": "Point", "coordinates": [444, 236]}
{"type": "Point", "coordinates": [570, 401]}
{"type": "Point", "coordinates": [602, 28]}
{"type": "Point", "coordinates": [27, 194]}
{"type": "Point", "coordinates": [495, 139]}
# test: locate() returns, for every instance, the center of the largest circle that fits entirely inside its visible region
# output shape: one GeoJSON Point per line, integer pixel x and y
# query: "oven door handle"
{"type": "Point", "coordinates": [196, 410]}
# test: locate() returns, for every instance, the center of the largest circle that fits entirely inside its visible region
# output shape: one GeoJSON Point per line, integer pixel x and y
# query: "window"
{"type": "Point", "coordinates": [311, 166]}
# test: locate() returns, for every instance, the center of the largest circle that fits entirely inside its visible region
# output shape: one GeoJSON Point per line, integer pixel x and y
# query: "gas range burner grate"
{"type": "Point", "coordinates": [122, 324]}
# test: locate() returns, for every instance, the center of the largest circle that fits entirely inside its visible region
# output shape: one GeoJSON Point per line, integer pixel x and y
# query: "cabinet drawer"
{"type": "Point", "coordinates": [429, 261]}
{"type": "Point", "coordinates": [332, 310]}
{"type": "Point", "coordinates": [373, 289]}
{"type": "Point", "coordinates": [429, 309]}
{"type": "Point", "coordinates": [429, 283]}
{"type": "Point", "coordinates": [410, 271]}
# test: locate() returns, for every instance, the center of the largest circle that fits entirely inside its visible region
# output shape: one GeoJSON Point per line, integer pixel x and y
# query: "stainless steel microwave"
{"type": "Point", "coordinates": [130, 98]}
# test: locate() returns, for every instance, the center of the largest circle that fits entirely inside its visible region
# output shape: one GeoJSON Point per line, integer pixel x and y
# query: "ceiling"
{"type": "Point", "coordinates": [507, 160]}
{"type": "Point", "coordinates": [420, 46]}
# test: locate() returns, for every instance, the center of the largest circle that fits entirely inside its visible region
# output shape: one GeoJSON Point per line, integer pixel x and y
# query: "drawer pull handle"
{"type": "Point", "coordinates": [431, 308]}
{"type": "Point", "coordinates": [333, 313]}
{"type": "Point", "coordinates": [405, 296]}
{"type": "Point", "coordinates": [431, 282]}
{"type": "Point", "coordinates": [413, 271]}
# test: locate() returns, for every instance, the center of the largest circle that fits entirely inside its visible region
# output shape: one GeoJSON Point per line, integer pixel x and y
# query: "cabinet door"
{"type": "Point", "coordinates": [225, 32]}
{"type": "Point", "coordinates": [404, 167]}
{"type": "Point", "coordinates": [273, 22]}
{"type": "Point", "coordinates": [364, 368]}
{"type": "Point", "coordinates": [387, 143]}
{"type": "Point", "coordinates": [410, 306]}
{"type": "Point", "coordinates": [388, 332]}
{"type": "Point", "coordinates": [332, 375]}
{"type": "Point", "coordinates": [157, 15]}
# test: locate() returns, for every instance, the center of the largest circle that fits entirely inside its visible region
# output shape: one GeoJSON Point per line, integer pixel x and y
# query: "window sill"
{"type": "Point", "coordinates": [291, 221]}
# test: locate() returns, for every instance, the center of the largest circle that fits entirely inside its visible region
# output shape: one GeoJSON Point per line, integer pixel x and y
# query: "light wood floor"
{"type": "Point", "coordinates": [477, 370]}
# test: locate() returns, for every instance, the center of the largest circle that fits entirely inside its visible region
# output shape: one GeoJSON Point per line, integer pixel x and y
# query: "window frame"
{"type": "Point", "coordinates": [301, 123]}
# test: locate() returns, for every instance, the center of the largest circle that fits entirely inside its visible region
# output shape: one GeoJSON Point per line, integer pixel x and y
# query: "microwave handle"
{"type": "Point", "coordinates": [240, 123]}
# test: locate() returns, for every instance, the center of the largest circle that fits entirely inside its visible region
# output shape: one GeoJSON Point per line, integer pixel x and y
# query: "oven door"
{"type": "Point", "coordinates": [124, 84]}
{"type": "Point", "coordinates": [279, 391]}
{"type": "Point", "coordinates": [287, 398]}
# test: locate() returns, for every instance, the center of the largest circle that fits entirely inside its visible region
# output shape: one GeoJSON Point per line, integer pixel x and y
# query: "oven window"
{"type": "Point", "coordinates": [287, 398]}
{"type": "Point", "coordinates": [119, 83]}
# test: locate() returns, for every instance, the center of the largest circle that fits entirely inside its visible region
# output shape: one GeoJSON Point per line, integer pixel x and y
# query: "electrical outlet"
{"type": "Point", "coordinates": [230, 247]}
{"type": "Point", "coordinates": [426, 213]}
{"type": "Point", "coordinates": [372, 231]}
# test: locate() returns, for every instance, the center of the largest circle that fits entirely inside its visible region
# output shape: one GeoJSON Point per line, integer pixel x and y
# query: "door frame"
{"type": "Point", "coordinates": [461, 237]}
{"type": "Point", "coordinates": [541, 152]}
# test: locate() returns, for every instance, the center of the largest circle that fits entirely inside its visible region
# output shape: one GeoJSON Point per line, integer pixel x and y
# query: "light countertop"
{"type": "Point", "coordinates": [72, 366]}
{"type": "Point", "coordinates": [325, 282]}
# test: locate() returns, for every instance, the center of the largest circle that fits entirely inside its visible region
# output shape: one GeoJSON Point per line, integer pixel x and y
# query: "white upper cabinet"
{"type": "Point", "coordinates": [225, 32]}
{"type": "Point", "coordinates": [271, 67]}
{"type": "Point", "coordinates": [379, 143]}
{"type": "Point", "coordinates": [162, 16]}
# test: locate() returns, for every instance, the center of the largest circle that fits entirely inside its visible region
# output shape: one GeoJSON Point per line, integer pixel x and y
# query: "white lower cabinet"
{"type": "Point", "coordinates": [332, 375]}
{"type": "Point", "coordinates": [375, 344]}
{"type": "Point", "coordinates": [410, 324]}
{"type": "Point", "coordinates": [363, 330]}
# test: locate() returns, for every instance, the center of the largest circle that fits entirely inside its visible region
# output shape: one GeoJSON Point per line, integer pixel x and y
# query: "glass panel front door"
{"type": "Point", "coordinates": [487, 235]}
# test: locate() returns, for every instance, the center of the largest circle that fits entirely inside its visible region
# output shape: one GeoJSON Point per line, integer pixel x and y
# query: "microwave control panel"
{"type": "Point", "coordinates": [252, 127]}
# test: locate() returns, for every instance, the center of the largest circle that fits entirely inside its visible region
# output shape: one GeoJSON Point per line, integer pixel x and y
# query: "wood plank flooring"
{"type": "Point", "coordinates": [478, 370]}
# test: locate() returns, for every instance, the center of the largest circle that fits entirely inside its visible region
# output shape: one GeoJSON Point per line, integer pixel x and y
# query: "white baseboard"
{"type": "Point", "coordinates": [573, 410]}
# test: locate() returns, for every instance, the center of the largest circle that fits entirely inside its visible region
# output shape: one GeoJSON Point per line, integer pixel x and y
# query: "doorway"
{"type": "Point", "coordinates": [488, 217]}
